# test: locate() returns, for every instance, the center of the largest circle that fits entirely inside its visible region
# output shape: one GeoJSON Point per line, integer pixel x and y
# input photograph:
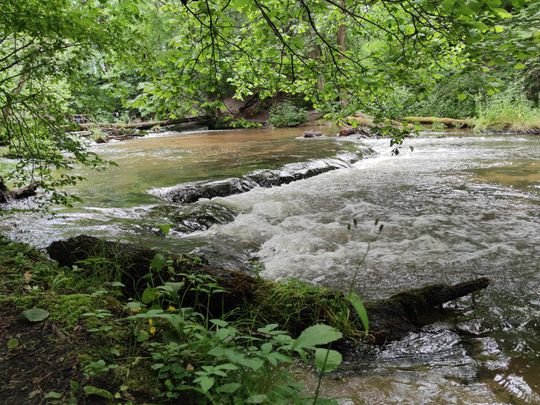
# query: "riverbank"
{"type": "Point", "coordinates": [70, 334]}
{"type": "Point", "coordinates": [92, 330]}
{"type": "Point", "coordinates": [428, 199]}
{"type": "Point", "coordinates": [358, 123]}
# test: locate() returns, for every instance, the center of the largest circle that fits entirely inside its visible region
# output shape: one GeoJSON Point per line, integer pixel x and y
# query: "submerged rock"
{"type": "Point", "coordinates": [194, 218]}
{"type": "Point", "coordinates": [312, 134]}
{"type": "Point", "coordinates": [192, 192]}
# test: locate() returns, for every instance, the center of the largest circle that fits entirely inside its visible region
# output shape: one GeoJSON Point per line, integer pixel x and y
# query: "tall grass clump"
{"type": "Point", "coordinates": [507, 111]}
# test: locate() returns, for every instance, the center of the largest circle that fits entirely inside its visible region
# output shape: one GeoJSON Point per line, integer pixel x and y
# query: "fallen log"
{"type": "Point", "coordinates": [293, 305]}
{"type": "Point", "coordinates": [447, 122]}
{"type": "Point", "coordinates": [143, 124]}
{"type": "Point", "coordinates": [7, 195]}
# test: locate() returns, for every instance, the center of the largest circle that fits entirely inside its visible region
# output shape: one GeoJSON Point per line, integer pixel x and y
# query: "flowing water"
{"type": "Point", "coordinates": [454, 207]}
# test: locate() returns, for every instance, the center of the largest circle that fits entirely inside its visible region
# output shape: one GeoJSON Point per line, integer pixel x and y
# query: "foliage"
{"type": "Point", "coordinates": [42, 45]}
{"type": "Point", "coordinates": [286, 114]}
{"type": "Point", "coordinates": [509, 110]}
{"type": "Point", "coordinates": [124, 59]}
{"type": "Point", "coordinates": [160, 349]}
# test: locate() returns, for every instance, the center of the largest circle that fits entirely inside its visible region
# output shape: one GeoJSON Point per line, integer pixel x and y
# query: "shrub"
{"type": "Point", "coordinates": [287, 115]}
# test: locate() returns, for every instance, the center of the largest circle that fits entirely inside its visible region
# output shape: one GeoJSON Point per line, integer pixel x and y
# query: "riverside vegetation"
{"type": "Point", "coordinates": [63, 63]}
{"type": "Point", "coordinates": [131, 325]}
{"type": "Point", "coordinates": [98, 343]}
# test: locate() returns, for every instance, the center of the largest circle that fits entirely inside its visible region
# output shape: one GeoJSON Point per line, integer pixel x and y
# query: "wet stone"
{"type": "Point", "coordinates": [192, 192]}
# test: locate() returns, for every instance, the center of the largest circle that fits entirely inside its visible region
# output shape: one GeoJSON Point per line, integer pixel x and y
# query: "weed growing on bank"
{"type": "Point", "coordinates": [507, 111]}
{"type": "Point", "coordinates": [148, 348]}
{"type": "Point", "coordinates": [286, 114]}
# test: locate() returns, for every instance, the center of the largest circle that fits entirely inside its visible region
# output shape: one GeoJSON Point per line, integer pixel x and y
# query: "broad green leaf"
{"type": "Point", "coordinates": [327, 360]}
{"type": "Point", "coordinates": [219, 322]}
{"type": "Point", "coordinates": [266, 348]}
{"type": "Point", "coordinates": [519, 66]}
{"type": "Point", "coordinates": [158, 262]}
{"type": "Point", "coordinates": [150, 295]}
{"type": "Point", "coordinates": [257, 399]}
{"type": "Point", "coordinates": [501, 12]}
{"type": "Point", "coordinates": [228, 388]}
{"type": "Point", "coordinates": [205, 382]}
{"type": "Point", "coordinates": [35, 315]}
{"type": "Point", "coordinates": [315, 335]}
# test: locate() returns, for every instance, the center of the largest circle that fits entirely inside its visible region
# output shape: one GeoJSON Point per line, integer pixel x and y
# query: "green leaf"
{"type": "Point", "coordinates": [158, 262]}
{"type": "Point", "coordinates": [53, 395]}
{"type": "Point", "coordinates": [219, 322]}
{"type": "Point", "coordinates": [205, 382]}
{"type": "Point", "coordinates": [447, 4]}
{"type": "Point", "coordinates": [12, 343]}
{"type": "Point", "coordinates": [266, 348]}
{"type": "Point", "coordinates": [256, 399]}
{"type": "Point", "coordinates": [327, 360]}
{"type": "Point", "coordinates": [150, 295]}
{"type": "Point", "coordinates": [360, 309]}
{"type": "Point", "coordinates": [519, 66]}
{"type": "Point", "coordinates": [100, 392]}
{"type": "Point", "coordinates": [501, 12]}
{"type": "Point", "coordinates": [319, 334]}
{"type": "Point", "coordinates": [228, 388]}
{"type": "Point", "coordinates": [35, 315]}
{"type": "Point", "coordinates": [165, 228]}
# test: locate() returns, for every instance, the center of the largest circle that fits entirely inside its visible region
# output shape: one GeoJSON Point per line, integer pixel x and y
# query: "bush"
{"type": "Point", "coordinates": [453, 97]}
{"type": "Point", "coordinates": [287, 115]}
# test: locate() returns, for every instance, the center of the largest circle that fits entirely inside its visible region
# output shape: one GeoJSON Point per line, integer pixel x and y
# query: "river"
{"type": "Point", "coordinates": [453, 207]}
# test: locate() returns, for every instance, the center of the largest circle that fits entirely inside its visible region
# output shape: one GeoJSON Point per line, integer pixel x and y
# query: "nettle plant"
{"type": "Point", "coordinates": [216, 361]}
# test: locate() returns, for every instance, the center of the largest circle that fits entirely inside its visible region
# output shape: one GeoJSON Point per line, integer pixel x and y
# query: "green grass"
{"type": "Point", "coordinates": [507, 112]}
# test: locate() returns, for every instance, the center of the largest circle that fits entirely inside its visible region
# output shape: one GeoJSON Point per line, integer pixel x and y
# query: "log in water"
{"type": "Point", "coordinates": [390, 319]}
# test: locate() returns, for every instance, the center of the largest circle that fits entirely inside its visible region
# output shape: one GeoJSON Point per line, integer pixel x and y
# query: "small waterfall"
{"type": "Point", "coordinates": [194, 191]}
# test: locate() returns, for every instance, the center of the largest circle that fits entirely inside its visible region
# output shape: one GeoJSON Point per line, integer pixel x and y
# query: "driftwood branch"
{"type": "Point", "coordinates": [390, 319]}
{"type": "Point", "coordinates": [7, 195]}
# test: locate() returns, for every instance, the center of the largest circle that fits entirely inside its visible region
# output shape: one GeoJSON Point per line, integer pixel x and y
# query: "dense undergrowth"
{"type": "Point", "coordinates": [153, 348]}
{"type": "Point", "coordinates": [507, 111]}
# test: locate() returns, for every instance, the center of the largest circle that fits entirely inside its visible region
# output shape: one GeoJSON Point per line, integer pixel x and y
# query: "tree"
{"type": "Point", "coordinates": [42, 44]}
{"type": "Point", "coordinates": [168, 59]}
{"type": "Point", "coordinates": [267, 48]}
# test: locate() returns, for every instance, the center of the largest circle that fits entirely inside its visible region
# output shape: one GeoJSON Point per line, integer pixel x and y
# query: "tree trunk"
{"type": "Point", "coordinates": [144, 124]}
{"type": "Point", "coordinates": [342, 46]}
